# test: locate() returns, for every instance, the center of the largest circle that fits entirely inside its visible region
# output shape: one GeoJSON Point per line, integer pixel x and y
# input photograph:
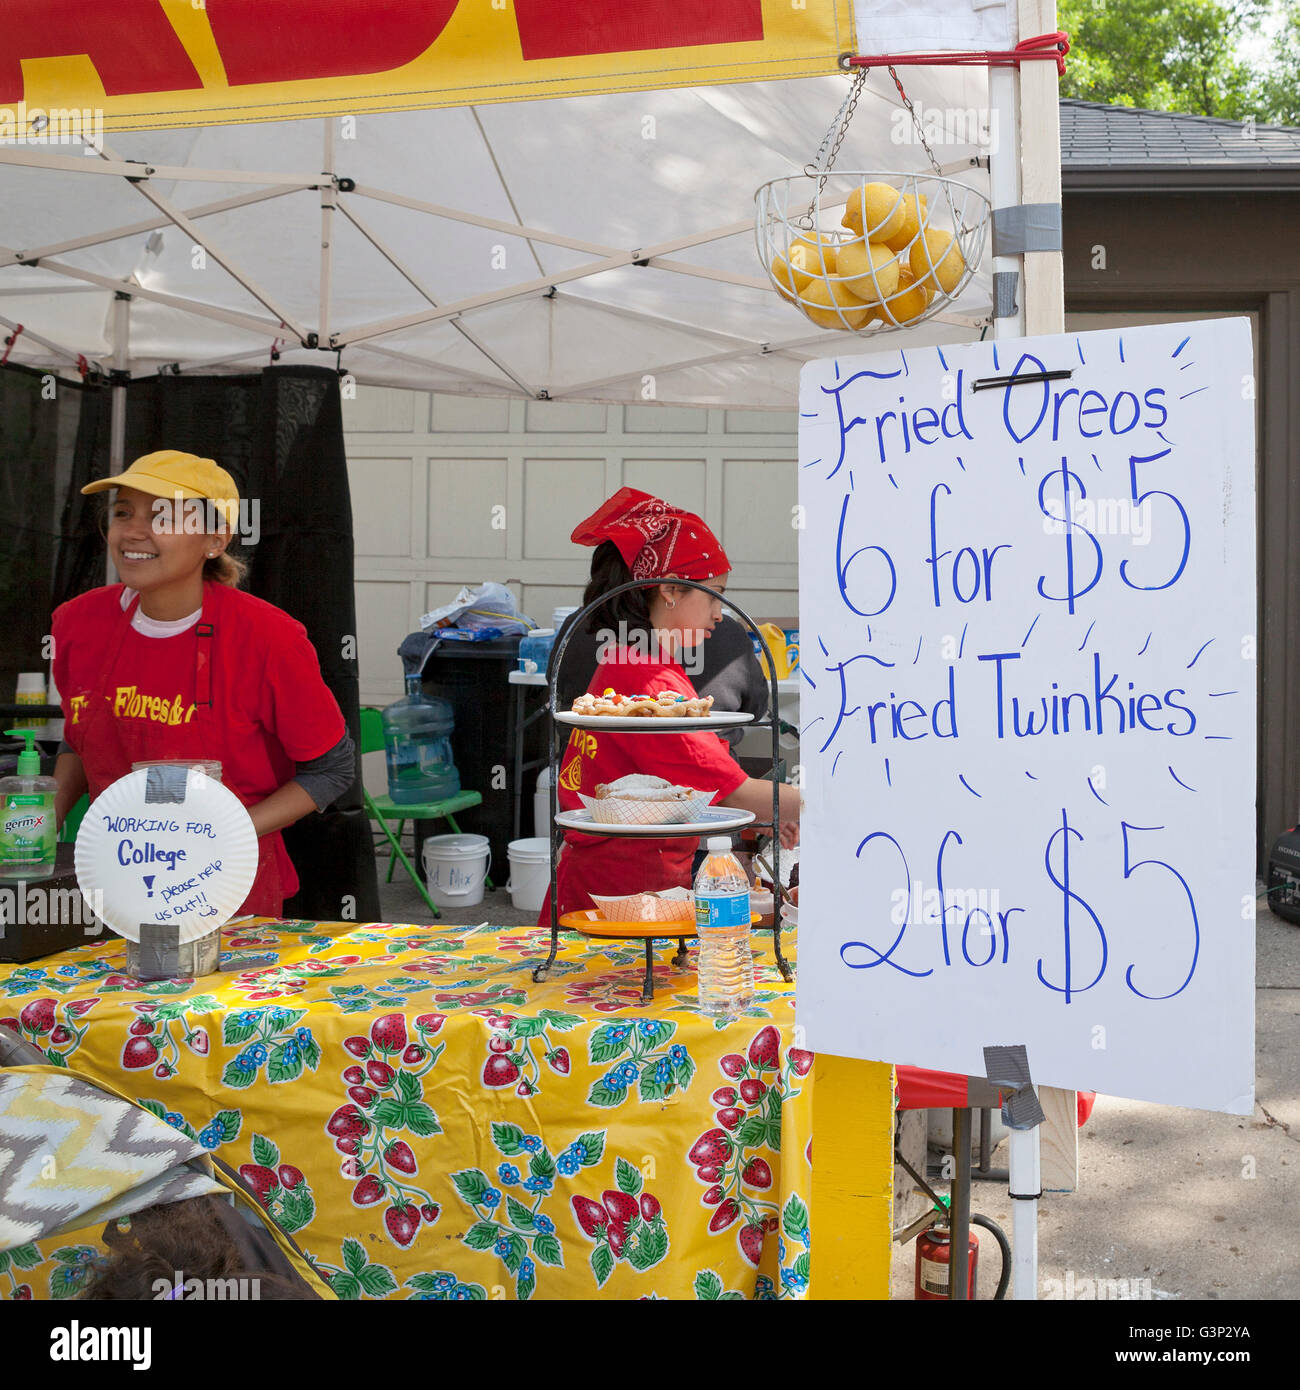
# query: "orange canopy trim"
{"type": "Point", "coordinates": [156, 63]}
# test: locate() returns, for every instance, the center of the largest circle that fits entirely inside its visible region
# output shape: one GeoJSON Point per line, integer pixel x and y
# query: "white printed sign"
{"type": "Point", "coordinates": [1027, 617]}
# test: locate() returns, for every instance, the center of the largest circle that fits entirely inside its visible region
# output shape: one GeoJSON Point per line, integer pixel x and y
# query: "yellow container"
{"type": "Point", "coordinates": [775, 639]}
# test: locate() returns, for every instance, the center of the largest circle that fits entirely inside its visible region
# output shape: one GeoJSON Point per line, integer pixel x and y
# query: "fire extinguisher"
{"type": "Point", "coordinates": [934, 1258]}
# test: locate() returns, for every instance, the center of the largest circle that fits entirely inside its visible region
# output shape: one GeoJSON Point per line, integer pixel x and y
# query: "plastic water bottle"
{"type": "Point", "coordinates": [417, 745]}
{"type": "Point", "coordinates": [724, 962]}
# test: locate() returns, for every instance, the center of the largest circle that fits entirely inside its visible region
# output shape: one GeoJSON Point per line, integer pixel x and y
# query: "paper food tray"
{"type": "Point", "coordinates": [614, 810]}
{"type": "Point", "coordinates": [648, 907]}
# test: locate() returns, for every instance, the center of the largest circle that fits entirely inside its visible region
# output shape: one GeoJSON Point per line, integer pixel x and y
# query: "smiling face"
{"type": "Point", "coordinates": [155, 546]}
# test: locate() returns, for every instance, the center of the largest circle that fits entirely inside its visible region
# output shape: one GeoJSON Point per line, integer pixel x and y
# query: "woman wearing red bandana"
{"type": "Point", "coordinates": [646, 633]}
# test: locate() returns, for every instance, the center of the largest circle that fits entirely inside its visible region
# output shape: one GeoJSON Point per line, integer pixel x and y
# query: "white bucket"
{"type": "Point", "coordinates": [530, 873]}
{"type": "Point", "coordinates": [455, 867]}
{"type": "Point", "coordinates": [542, 802]}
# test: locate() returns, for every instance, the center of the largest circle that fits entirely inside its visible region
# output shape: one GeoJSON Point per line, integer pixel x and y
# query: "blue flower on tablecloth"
{"type": "Point", "coordinates": [258, 1053]}
{"type": "Point", "coordinates": [663, 1070]}
{"type": "Point", "coordinates": [537, 1184]}
{"type": "Point", "coordinates": [796, 1283]}
{"type": "Point", "coordinates": [544, 1224]}
{"type": "Point", "coordinates": [678, 1053]}
{"type": "Point", "coordinates": [176, 1121]}
{"type": "Point", "coordinates": [568, 1163]}
{"type": "Point", "coordinates": [527, 1269]}
{"type": "Point", "coordinates": [649, 1027]}
{"type": "Point", "coordinates": [249, 1018]}
{"type": "Point", "coordinates": [67, 970]}
{"type": "Point", "coordinates": [462, 1293]}
{"type": "Point", "coordinates": [29, 974]}
{"type": "Point", "coordinates": [246, 1062]}
{"type": "Point", "coordinates": [444, 1283]}
{"type": "Point", "coordinates": [627, 1072]}
{"type": "Point", "coordinates": [508, 1174]}
{"type": "Point", "coordinates": [615, 1080]}
{"type": "Point", "coordinates": [618, 1031]}
{"type": "Point", "coordinates": [780, 1250]}
{"type": "Point", "coordinates": [492, 1197]}
{"type": "Point", "coordinates": [210, 1137]}
{"type": "Point", "coordinates": [290, 1053]}
{"type": "Point", "coordinates": [764, 1288]}
{"type": "Point", "coordinates": [303, 1035]}
{"type": "Point", "coordinates": [531, 1142]}
{"type": "Point", "coordinates": [502, 1247]}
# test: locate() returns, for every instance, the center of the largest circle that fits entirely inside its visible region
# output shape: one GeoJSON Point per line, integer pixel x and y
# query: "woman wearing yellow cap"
{"type": "Point", "coordinates": [176, 662]}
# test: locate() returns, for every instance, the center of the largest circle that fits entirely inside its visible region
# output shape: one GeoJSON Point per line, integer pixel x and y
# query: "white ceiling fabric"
{"type": "Point", "coordinates": [580, 167]}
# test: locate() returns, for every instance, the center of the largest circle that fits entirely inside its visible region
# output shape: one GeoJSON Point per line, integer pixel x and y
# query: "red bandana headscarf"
{"type": "Point", "coordinates": [654, 538]}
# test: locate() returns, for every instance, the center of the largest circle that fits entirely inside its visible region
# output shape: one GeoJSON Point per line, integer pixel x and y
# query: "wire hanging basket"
{"type": "Point", "coordinates": [869, 252]}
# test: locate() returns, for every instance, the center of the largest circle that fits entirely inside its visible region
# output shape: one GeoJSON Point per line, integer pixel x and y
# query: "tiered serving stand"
{"type": "Point", "coordinates": [721, 819]}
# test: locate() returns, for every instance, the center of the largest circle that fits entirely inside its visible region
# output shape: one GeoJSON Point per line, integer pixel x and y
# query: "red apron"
{"type": "Point", "coordinates": [613, 867]}
{"type": "Point", "coordinates": [109, 746]}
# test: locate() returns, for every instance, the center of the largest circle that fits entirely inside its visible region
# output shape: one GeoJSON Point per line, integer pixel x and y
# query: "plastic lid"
{"type": "Point", "coordinates": [718, 844]}
{"type": "Point", "coordinates": [542, 632]}
{"type": "Point", "coordinates": [29, 760]}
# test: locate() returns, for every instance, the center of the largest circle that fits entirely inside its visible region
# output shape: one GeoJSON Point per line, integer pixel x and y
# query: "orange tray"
{"type": "Point", "coordinates": [590, 923]}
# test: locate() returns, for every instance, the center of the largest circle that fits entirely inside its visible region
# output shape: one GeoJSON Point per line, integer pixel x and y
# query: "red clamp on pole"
{"type": "Point", "coordinates": [1053, 47]}
{"type": "Point", "coordinates": [9, 344]}
{"type": "Point", "coordinates": [83, 366]}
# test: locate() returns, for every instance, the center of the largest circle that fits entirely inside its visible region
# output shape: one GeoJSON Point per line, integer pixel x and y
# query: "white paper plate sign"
{"type": "Point", "coordinates": [166, 845]}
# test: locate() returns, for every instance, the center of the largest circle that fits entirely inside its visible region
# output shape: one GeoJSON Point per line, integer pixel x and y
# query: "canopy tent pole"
{"type": "Point", "coordinates": [120, 332]}
{"type": "Point", "coordinates": [1028, 299]}
{"type": "Point", "coordinates": [328, 201]}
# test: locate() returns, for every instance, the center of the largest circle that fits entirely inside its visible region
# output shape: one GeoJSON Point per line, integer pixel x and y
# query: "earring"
{"type": "Point", "coordinates": [672, 602]}
{"type": "Point", "coordinates": [212, 554]}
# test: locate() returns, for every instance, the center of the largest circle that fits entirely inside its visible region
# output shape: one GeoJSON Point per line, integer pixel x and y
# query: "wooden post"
{"type": "Point", "coordinates": [851, 1207]}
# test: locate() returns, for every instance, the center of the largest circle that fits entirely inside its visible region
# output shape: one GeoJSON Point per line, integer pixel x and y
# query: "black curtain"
{"type": "Point", "coordinates": [280, 435]}
{"type": "Point", "coordinates": [50, 548]}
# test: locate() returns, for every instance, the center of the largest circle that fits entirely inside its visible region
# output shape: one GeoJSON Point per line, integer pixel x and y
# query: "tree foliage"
{"type": "Point", "coordinates": [1192, 56]}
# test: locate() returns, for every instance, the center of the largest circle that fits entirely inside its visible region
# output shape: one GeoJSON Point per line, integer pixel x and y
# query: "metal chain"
{"type": "Point", "coordinates": [916, 121]}
{"type": "Point", "coordinates": [960, 223]}
{"type": "Point", "coordinates": [829, 148]}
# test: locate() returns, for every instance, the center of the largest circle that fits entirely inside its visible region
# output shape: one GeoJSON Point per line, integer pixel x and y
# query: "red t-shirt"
{"type": "Point", "coordinates": [267, 689]}
{"type": "Point", "coordinates": [701, 760]}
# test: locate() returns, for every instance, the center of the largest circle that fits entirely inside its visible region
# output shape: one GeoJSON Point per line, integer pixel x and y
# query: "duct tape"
{"type": "Point", "coordinates": [1008, 1068]}
{"type": "Point", "coordinates": [1005, 284]}
{"type": "Point", "coordinates": [1026, 227]}
{"type": "Point", "coordinates": [160, 949]}
{"type": "Point", "coordinates": [166, 784]}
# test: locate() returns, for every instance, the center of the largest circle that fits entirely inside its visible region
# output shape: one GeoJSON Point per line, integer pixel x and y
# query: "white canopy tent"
{"type": "Point", "coordinates": [596, 247]}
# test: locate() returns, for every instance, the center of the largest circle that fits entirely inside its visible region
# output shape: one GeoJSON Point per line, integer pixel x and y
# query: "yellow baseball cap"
{"type": "Point", "coordinates": [168, 472]}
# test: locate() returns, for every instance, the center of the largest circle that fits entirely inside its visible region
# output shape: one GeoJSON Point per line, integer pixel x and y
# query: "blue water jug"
{"type": "Point", "coordinates": [417, 745]}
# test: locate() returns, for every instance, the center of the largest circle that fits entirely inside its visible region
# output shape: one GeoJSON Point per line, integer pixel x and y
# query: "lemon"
{"type": "Point", "coordinates": [911, 301]}
{"type": "Point", "coordinates": [868, 270]}
{"type": "Point", "coordinates": [825, 300]}
{"type": "Point", "coordinates": [807, 255]}
{"type": "Point", "coordinates": [912, 220]}
{"type": "Point", "coordinates": [876, 210]}
{"type": "Point", "coordinates": [937, 262]}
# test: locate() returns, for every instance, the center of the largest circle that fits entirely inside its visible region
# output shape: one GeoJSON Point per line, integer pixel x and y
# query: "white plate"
{"type": "Point", "coordinates": [716, 819]}
{"type": "Point", "coordinates": [652, 723]}
{"type": "Point", "coordinates": [790, 914]}
{"type": "Point", "coordinates": [191, 866]}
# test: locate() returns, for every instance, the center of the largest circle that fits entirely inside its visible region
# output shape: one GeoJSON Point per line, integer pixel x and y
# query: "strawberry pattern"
{"type": "Point", "coordinates": [428, 1123]}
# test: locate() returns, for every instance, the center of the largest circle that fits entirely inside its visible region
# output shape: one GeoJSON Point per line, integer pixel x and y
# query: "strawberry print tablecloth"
{"type": "Point", "coordinates": [429, 1123]}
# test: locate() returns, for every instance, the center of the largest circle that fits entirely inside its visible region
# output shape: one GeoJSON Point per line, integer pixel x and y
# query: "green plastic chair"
{"type": "Point", "coordinates": [384, 809]}
{"type": "Point", "coordinates": [72, 821]}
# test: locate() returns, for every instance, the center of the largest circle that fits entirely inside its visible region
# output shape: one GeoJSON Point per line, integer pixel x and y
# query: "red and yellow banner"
{"type": "Point", "coordinates": [144, 63]}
